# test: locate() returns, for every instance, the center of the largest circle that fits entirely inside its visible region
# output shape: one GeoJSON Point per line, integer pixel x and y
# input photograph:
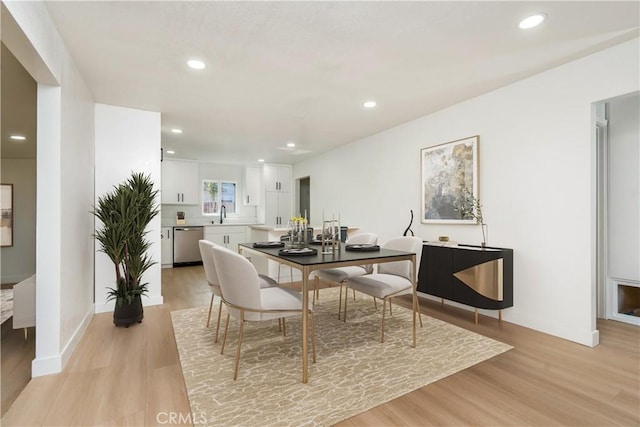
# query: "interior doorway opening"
{"type": "Point", "coordinates": [304, 197]}
{"type": "Point", "coordinates": [617, 248]}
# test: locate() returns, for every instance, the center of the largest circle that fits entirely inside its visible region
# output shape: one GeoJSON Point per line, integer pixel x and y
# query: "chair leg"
{"type": "Point", "coordinates": [224, 338]}
{"type": "Point", "coordinates": [313, 336]}
{"type": "Point", "coordinates": [316, 285]}
{"type": "Point", "coordinates": [284, 328]}
{"type": "Point", "coordinates": [340, 302]}
{"type": "Point", "coordinates": [390, 310]}
{"type": "Point", "coordinates": [384, 308]}
{"type": "Point", "coordinates": [375, 304]}
{"type": "Point", "coordinates": [210, 307]}
{"type": "Point", "coordinates": [235, 372]}
{"type": "Point", "coordinates": [218, 324]}
{"type": "Point", "coordinates": [418, 310]}
{"type": "Point", "coordinates": [346, 298]}
{"type": "Point", "coordinates": [354, 294]}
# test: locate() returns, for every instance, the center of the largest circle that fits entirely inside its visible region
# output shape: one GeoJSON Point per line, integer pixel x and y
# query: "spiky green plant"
{"type": "Point", "coordinates": [470, 208]}
{"type": "Point", "coordinates": [125, 213]}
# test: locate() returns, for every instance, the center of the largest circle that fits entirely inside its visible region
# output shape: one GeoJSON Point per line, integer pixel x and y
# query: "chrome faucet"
{"type": "Point", "coordinates": [223, 210]}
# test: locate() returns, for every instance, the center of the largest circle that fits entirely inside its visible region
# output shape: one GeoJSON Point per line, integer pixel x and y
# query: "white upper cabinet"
{"type": "Point", "coordinates": [277, 178]}
{"type": "Point", "coordinates": [278, 204]}
{"type": "Point", "coordinates": [252, 184]}
{"type": "Point", "coordinates": [180, 182]}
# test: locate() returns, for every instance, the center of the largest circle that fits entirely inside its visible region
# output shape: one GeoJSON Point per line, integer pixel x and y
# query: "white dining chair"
{"type": "Point", "coordinates": [392, 279]}
{"type": "Point", "coordinates": [341, 275]}
{"type": "Point", "coordinates": [247, 301]}
{"type": "Point", "coordinates": [212, 279]}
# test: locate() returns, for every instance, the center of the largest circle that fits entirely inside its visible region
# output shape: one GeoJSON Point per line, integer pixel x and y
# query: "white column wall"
{"type": "Point", "coordinates": [536, 166]}
{"type": "Point", "coordinates": [64, 287]}
{"type": "Point", "coordinates": [127, 140]}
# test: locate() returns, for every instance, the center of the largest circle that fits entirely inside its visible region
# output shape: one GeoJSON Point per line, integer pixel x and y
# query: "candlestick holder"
{"type": "Point", "coordinates": [330, 236]}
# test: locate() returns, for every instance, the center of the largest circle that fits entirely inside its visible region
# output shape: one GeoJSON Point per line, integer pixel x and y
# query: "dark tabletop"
{"type": "Point", "coordinates": [342, 255]}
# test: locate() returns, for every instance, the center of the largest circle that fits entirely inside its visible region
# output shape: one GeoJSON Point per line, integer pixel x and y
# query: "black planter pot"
{"type": "Point", "coordinates": [126, 314]}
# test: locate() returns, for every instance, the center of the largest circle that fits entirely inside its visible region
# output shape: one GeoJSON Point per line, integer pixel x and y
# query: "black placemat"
{"type": "Point", "coordinates": [297, 252]}
{"type": "Point", "coordinates": [362, 248]}
{"type": "Point", "coordinates": [268, 245]}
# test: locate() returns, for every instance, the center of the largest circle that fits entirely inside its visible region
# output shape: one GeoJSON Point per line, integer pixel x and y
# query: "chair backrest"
{"type": "Point", "coordinates": [402, 268]}
{"type": "Point", "coordinates": [238, 279]}
{"type": "Point", "coordinates": [363, 239]}
{"type": "Point", "coordinates": [207, 262]}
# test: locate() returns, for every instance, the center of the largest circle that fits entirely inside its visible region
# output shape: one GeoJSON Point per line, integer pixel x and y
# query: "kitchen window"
{"type": "Point", "coordinates": [216, 194]}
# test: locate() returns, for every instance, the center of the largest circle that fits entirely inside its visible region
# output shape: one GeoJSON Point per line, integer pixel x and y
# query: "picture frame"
{"type": "Point", "coordinates": [6, 215]}
{"type": "Point", "coordinates": [449, 176]}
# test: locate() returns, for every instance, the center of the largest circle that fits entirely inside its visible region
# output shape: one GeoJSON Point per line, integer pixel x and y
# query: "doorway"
{"type": "Point", "coordinates": [18, 259]}
{"type": "Point", "coordinates": [617, 139]}
{"type": "Point", "coordinates": [304, 197]}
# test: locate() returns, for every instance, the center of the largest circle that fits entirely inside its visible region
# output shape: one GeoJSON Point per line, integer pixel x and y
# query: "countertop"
{"type": "Point", "coordinates": [205, 224]}
{"type": "Point", "coordinates": [279, 229]}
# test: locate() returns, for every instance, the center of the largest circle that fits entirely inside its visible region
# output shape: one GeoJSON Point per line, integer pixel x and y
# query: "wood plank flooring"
{"type": "Point", "coordinates": [132, 376]}
{"type": "Point", "coordinates": [17, 354]}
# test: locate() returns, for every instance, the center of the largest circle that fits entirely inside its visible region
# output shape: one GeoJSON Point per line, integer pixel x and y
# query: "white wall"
{"type": "Point", "coordinates": [127, 141]}
{"type": "Point", "coordinates": [623, 213]}
{"type": "Point", "coordinates": [535, 156]}
{"type": "Point", "coordinates": [19, 260]}
{"type": "Point", "coordinates": [64, 268]}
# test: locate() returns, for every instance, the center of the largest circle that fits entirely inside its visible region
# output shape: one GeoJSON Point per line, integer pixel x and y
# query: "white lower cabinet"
{"type": "Point", "coordinates": [166, 239]}
{"type": "Point", "coordinates": [228, 236]}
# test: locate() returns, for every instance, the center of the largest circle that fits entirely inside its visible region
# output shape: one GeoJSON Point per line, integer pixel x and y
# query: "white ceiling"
{"type": "Point", "coordinates": [300, 71]}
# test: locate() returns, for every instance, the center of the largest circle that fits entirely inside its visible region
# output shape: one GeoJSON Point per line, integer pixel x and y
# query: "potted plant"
{"type": "Point", "coordinates": [125, 213]}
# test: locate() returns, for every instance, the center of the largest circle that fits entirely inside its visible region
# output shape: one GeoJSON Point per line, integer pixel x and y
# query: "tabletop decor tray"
{"type": "Point", "coordinates": [297, 252]}
{"type": "Point", "coordinates": [362, 248]}
{"type": "Point", "coordinates": [268, 245]}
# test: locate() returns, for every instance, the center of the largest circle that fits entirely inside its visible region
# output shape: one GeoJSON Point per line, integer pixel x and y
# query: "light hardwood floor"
{"type": "Point", "coordinates": [132, 376]}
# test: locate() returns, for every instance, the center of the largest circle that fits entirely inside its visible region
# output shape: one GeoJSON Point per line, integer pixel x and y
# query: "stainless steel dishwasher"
{"type": "Point", "coordinates": [186, 250]}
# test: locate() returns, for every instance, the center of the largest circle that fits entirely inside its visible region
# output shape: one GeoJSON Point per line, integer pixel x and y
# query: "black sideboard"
{"type": "Point", "coordinates": [481, 277]}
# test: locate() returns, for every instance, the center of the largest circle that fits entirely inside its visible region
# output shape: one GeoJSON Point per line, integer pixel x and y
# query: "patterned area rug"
{"type": "Point", "coordinates": [354, 371]}
{"type": "Point", "coordinates": [7, 304]}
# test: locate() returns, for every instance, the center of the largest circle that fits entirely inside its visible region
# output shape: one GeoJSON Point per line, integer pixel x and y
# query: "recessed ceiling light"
{"type": "Point", "coordinates": [18, 137]}
{"type": "Point", "coordinates": [291, 144]}
{"type": "Point", "coordinates": [532, 21]}
{"type": "Point", "coordinates": [176, 130]}
{"type": "Point", "coordinates": [261, 160]}
{"type": "Point", "coordinates": [171, 152]}
{"type": "Point", "coordinates": [196, 64]}
{"type": "Point", "coordinates": [369, 104]}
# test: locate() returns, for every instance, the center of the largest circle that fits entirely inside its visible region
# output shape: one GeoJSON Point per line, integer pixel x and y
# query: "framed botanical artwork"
{"type": "Point", "coordinates": [6, 214]}
{"type": "Point", "coordinates": [449, 178]}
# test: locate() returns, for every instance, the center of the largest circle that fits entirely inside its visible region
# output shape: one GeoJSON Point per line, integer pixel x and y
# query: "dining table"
{"type": "Point", "coordinates": [339, 256]}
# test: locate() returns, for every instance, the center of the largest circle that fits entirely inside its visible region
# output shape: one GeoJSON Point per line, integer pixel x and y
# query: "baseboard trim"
{"type": "Point", "coordinates": [55, 364]}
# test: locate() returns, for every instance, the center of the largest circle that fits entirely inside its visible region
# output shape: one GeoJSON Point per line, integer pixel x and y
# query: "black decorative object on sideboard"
{"type": "Point", "coordinates": [471, 275]}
